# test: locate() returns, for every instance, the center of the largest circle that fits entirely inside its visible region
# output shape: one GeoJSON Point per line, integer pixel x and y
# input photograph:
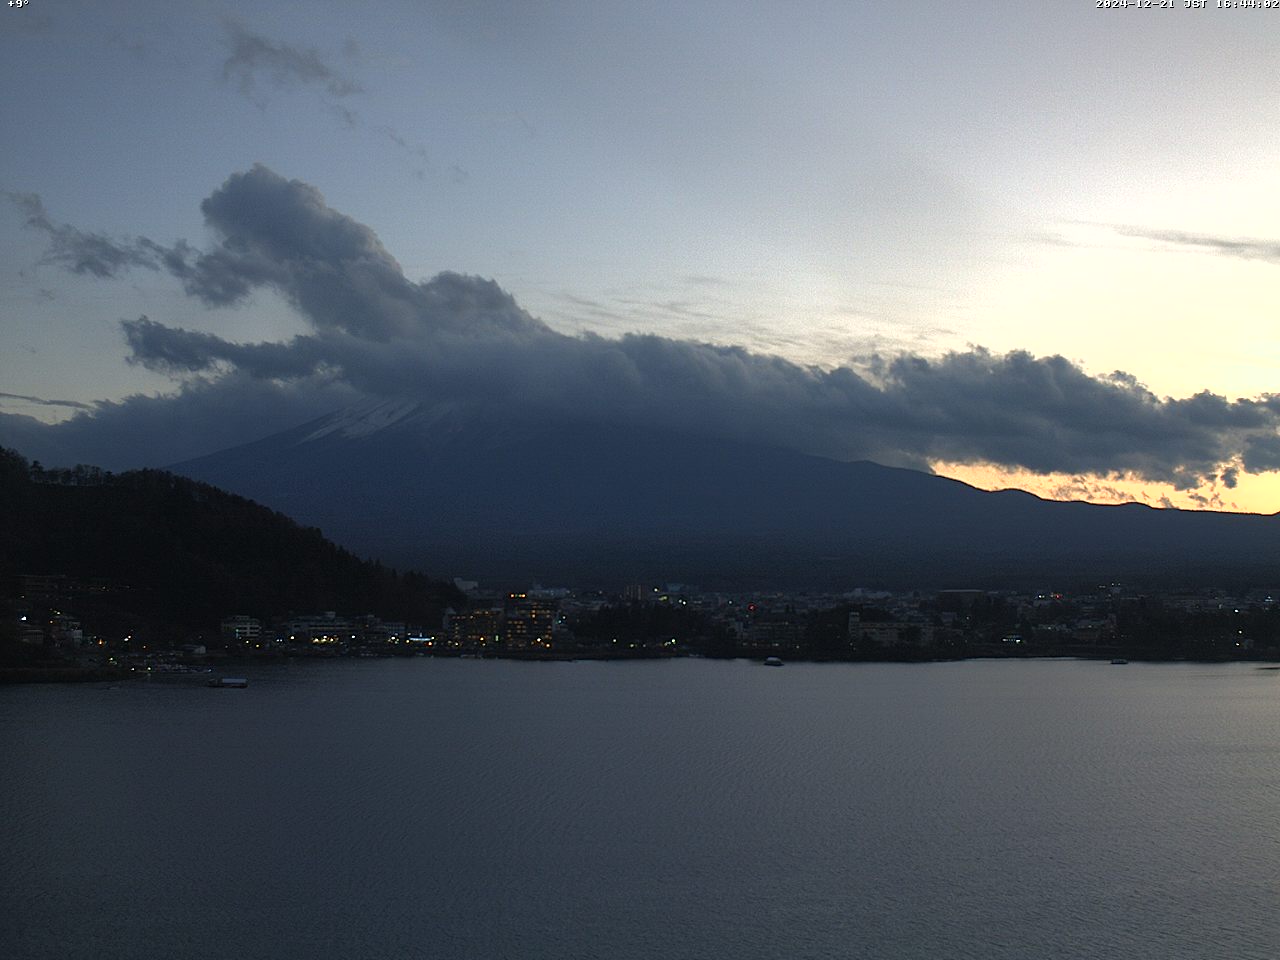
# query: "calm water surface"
{"type": "Point", "coordinates": [691, 809]}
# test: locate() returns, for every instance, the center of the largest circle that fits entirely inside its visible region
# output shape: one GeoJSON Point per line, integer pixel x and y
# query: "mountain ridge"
{"type": "Point", "coordinates": [177, 555]}
{"type": "Point", "coordinates": [494, 498]}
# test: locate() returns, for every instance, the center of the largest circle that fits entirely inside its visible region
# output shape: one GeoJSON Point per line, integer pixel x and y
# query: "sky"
{"type": "Point", "coordinates": [1022, 245]}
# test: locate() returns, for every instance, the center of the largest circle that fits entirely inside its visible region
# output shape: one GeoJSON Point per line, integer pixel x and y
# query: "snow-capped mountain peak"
{"type": "Point", "coordinates": [365, 419]}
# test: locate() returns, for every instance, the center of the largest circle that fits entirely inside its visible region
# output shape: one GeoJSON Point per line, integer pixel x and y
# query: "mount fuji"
{"type": "Point", "coordinates": [464, 491]}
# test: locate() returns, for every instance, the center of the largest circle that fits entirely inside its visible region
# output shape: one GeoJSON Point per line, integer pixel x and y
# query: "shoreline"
{"type": "Point", "coordinates": [81, 674]}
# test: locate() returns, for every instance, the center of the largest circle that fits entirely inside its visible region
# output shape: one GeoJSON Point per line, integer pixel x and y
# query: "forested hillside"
{"type": "Point", "coordinates": [148, 551]}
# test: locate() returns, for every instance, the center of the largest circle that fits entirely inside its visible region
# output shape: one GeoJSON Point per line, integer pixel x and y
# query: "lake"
{"type": "Point", "coordinates": [684, 809]}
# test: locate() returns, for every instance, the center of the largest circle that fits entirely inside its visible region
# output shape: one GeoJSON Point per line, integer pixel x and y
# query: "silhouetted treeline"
{"type": "Point", "coordinates": [1147, 627]}
{"type": "Point", "coordinates": [158, 554]}
{"type": "Point", "coordinates": [1153, 629]}
{"type": "Point", "coordinates": [644, 624]}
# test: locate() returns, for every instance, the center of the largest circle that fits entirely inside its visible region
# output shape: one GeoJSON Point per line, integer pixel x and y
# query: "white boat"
{"type": "Point", "coordinates": [773, 661]}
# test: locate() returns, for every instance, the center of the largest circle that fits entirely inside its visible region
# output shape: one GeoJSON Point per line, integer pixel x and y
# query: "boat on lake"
{"type": "Point", "coordinates": [773, 661]}
{"type": "Point", "coordinates": [238, 682]}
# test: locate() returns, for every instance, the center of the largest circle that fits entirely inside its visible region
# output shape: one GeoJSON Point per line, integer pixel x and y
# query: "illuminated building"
{"type": "Point", "coordinates": [529, 620]}
{"type": "Point", "coordinates": [476, 628]}
{"type": "Point", "coordinates": [323, 630]}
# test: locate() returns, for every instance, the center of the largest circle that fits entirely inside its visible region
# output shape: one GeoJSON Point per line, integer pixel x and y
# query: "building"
{"type": "Point", "coordinates": [891, 633]}
{"type": "Point", "coordinates": [326, 630]}
{"type": "Point", "coordinates": [241, 629]}
{"type": "Point", "coordinates": [476, 629]}
{"type": "Point", "coordinates": [530, 621]}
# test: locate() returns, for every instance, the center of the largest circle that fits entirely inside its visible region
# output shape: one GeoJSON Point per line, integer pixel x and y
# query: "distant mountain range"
{"type": "Point", "coordinates": [467, 493]}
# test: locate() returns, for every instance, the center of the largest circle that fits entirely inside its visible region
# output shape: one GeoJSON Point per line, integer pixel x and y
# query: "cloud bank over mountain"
{"type": "Point", "coordinates": [463, 339]}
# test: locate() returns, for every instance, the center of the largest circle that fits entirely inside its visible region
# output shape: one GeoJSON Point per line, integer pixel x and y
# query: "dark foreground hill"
{"type": "Point", "coordinates": [164, 555]}
{"type": "Point", "coordinates": [588, 504]}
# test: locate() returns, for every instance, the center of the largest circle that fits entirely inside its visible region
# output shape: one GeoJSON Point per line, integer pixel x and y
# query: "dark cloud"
{"type": "Point", "coordinates": [416, 149]}
{"type": "Point", "coordinates": [203, 416]}
{"type": "Point", "coordinates": [182, 351]}
{"type": "Point", "coordinates": [84, 253]}
{"type": "Point", "coordinates": [1261, 453]}
{"type": "Point", "coordinates": [1081, 487]}
{"type": "Point", "coordinates": [1242, 247]}
{"type": "Point", "coordinates": [1047, 415]}
{"type": "Point", "coordinates": [457, 338]}
{"type": "Point", "coordinates": [280, 233]}
{"type": "Point", "coordinates": [41, 401]}
{"type": "Point", "coordinates": [1210, 501]}
{"type": "Point", "coordinates": [254, 58]}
